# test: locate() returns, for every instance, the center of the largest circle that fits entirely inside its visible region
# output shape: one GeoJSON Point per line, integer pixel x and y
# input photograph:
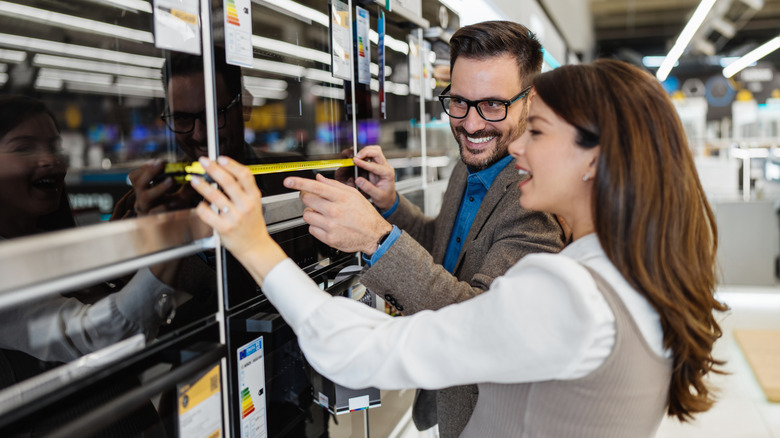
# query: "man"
{"type": "Point", "coordinates": [481, 230]}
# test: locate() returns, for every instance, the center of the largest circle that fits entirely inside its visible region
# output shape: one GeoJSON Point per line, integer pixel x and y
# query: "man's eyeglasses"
{"type": "Point", "coordinates": [492, 110]}
{"type": "Point", "coordinates": [183, 123]}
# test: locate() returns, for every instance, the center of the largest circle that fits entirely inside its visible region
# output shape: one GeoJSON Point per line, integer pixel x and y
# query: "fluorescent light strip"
{"type": "Point", "coordinates": [54, 47]}
{"type": "Point", "coordinates": [12, 56]}
{"type": "Point", "coordinates": [298, 9]}
{"type": "Point", "coordinates": [751, 57]}
{"type": "Point", "coordinates": [288, 49]}
{"type": "Point", "coordinates": [318, 17]}
{"type": "Point", "coordinates": [113, 89]}
{"type": "Point", "coordinates": [322, 76]}
{"type": "Point", "coordinates": [684, 39]}
{"type": "Point", "coordinates": [280, 68]}
{"type": "Point", "coordinates": [76, 76]}
{"type": "Point", "coordinates": [266, 93]}
{"type": "Point", "coordinates": [149, 84]}
{"type": "Point", "coordinates": [328, 92]}
{"type": "Point", "coordinates": [375, 70]}
{"type": "Point", "coordinates": [137, 5]}
{"type": "Point", "coordinates": [655, 61]}
{"type": "Point", "coordinates": [390, 42]}
{"type": "Point", "coordinates": [50, 84]}
{"type": "Point", "coordinates": [17, 11]}
{"type": "Point", "coordinates": [268, 84]}
{"type": "Point", "coordinates": [40, 60]}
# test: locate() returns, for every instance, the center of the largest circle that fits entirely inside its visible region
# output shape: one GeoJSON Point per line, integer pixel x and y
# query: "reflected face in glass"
{"type": "Point", "coordinates": [186, 96]}
{"type": "Point", "coordinates": [483, 143]}
{"type": "Point", "coordinates": [32, 169]}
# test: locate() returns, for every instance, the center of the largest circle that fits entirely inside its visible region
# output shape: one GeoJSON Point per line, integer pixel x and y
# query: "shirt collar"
{"type": "Point", "coordinates": [487, 176]}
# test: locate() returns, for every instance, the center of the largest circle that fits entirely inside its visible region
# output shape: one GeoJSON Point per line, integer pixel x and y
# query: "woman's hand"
{"type": "Point", "coordinates": [237, 215]}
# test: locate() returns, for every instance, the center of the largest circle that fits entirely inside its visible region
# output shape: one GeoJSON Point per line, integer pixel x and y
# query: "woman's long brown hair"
{"type": "Point", "coordinates": [651, 214]}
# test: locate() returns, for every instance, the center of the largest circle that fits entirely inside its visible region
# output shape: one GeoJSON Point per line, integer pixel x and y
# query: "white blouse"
{"type": "Point", "coordinates": [543, 320]}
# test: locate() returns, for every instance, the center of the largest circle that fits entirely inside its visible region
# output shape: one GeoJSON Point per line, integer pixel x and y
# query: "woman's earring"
{"type": "Point", "coordinates": [586, 177]}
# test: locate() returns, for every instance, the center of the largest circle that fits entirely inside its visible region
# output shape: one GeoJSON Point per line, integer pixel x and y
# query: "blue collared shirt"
{"type": "Point", "coordinates": [477, 186]}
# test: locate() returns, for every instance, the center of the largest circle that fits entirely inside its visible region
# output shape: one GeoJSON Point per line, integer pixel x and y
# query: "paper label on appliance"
{"type": "Point", "coordinates": [177, 25]}
{"type": "Point", "coordinates": [238, 32]}
{"type": "Point", "coordinates": [341, 41]}
{"type": "Point", "coordinates": [358, 403]}
{"type": "Point", "coordinates": [200, 407]}
{"type": "Point", "coordinates": [251, 390]}
{"type": "Point", "coordinates": [363, 46]}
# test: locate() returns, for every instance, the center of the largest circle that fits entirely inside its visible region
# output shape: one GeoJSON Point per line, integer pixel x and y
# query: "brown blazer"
{"type": "Point", "coordinates": [410, 275]}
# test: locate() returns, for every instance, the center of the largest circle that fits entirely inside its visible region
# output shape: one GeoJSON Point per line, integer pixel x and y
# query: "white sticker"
{"type": "Point", "coordinates": [358, 403]}
{"type": "Point", "coordinates": [238, 32]}
{"type": "Point", "coordinates": [323, 400]}
{"type": "Point", "coordinates": [200, 407]}
{"type": "Point", "coordinates": [177, 25]}
{"type": "Point", "coordinates": [363, 46]}
{"type": "Point", "coordinates": [341, 41]}
{"type": "Point", "coordinates": [251, 389]}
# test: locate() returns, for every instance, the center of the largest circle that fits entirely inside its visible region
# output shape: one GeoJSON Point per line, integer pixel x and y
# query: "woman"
{"type": "Point", "coordinates": [33, 200]}
{"type": "Point", "coordinates": [596, 341]}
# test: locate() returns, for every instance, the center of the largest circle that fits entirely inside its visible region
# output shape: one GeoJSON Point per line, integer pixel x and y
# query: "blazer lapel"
{"type": "Point", "coordinates": [495, 193]}
{"type": "Point", "coordinates": [449, 211]}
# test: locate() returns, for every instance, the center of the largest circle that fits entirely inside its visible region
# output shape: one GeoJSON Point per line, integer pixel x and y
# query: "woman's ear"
{"type": "Point", "coordinates": [594, 160]}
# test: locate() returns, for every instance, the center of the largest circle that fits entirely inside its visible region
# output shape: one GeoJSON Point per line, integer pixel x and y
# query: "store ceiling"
{"type": "Point", "coordinates": [650, 27]}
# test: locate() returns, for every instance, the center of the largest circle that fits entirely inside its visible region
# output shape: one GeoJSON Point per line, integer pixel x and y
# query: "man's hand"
{"type": "Point", "coordinates": [163, 196]}
{"type": "Point", "coordinates": [338, 215]}
{"type": "Point", "coordinates": [380, 185]}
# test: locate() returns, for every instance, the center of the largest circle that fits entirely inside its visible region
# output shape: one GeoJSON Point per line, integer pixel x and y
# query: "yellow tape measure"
{"type": "Point", "coordinates": [182, 172]}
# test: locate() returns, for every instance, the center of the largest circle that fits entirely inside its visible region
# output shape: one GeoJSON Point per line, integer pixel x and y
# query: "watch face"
{"type": "Point", "coordinates": [165, 308]}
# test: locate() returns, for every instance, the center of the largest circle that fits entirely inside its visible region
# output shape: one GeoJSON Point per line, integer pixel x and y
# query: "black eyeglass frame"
{"type": "Point", "coordinates": [167, 117]}
{"type": "Point", "coordinates": [475, 103]}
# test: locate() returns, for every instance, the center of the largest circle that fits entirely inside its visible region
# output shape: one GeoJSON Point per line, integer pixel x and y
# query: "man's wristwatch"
{"type": "Point", "coordinates": [383, 238]}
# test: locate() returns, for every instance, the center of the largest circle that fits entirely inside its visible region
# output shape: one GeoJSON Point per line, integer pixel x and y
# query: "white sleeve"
{"type": "Point", "coordinates": [63, 329]}
{"type": "Point", "coordinates": [540, 321]}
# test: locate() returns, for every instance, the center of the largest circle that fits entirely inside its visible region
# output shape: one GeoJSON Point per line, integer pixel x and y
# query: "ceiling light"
{"type": "Point", "coordinates": [281, 68]}
{"type": "Point", "coordinates": [328, 92]}
{"type": "Point", "coordinates": [751, 57]}
{"type": "Point", "coordinates": [654, 61]}
{"type": "Point", "coordinates": [322, 76]}
{"type": "Point", "coordinates": [12, 56]}
{"type": "Point", "coordinates": [266, 93]}
{"type": "Point", "coordinates": [684, 39]}
{"type": "Point", "coordinates": [288, 49]}
{"type": "Point", "coordinates": [54, 47]}
{"type": "Point", "coordinates": [135, 5]}
{"type": "Point", "coordinates": [17, 11]}
{"type": "Point", "coordinates": [50, 84]}
{"type": "Point", "coordinates": [149, 84]}
{"type": "Point", "coordinates": [113, 89]}
{"type": "Point", "coordinates": [76, 76]}
{"type": "Point", "coordinates": [297, 9]}
{"type": "Point", "coordinates": [268, 84]}
{"type": "Point", "coordinates": [390, 42]}
{"type": "Point", "coordinates": [40, 60]}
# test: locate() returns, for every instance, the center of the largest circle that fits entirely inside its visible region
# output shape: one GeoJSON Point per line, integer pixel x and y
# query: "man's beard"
{"type": "Point", "coordinates": [477, 163]}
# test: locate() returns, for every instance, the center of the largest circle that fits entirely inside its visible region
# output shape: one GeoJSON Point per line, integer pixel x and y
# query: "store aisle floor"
{"type": "Point", "coordinates": [742, 411]}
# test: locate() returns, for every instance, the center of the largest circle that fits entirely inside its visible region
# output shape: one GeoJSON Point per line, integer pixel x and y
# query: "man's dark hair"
{"type": "Point", "coordinates": [489, 39]}
{"type": "Point", "coordinates": [181, 64]}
